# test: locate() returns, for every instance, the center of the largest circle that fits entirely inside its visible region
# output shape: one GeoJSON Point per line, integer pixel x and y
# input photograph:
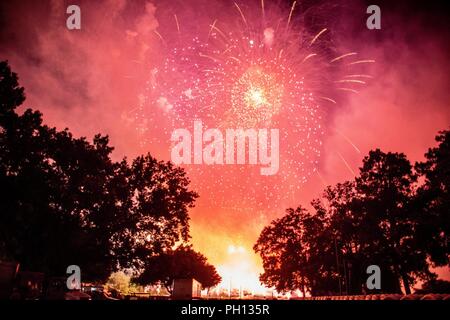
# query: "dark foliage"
{"type": "Point", "coordinates": [181, 263]}
{"type": "Point", "coordinates": [390, 215]}
{"type": "Point", "coordinates": [64, 201]}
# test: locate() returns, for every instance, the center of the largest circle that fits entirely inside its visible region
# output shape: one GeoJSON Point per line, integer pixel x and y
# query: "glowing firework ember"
{"type": "Point", "coordinates": [255, 98]}
{"type": "Point", "coordinates": [256, 69]}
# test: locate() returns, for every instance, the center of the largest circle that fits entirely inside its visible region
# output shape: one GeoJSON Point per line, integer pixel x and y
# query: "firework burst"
{"type": "Point", "coordinates": [255, 69]}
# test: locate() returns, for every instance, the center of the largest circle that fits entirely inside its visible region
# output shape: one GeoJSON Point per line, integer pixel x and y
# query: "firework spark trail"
{"type": "Point", "coordinates": [325, 184]}
{"type": "Point", "coordinates": [361, 61]}
{"type": "Point", "coordinates": [160, 36]}
{"type": "Point", "coordinates": [214, 27]}
{"type": "Point", "coordinates": [358, 76]}
{"type": "Point", "coordinates": [240, 12]}
{"type": "Point", "coordinates": [349, 141]}
{"type": "Point", "coordinates": [317, 36]}
{"type": "Point", "coordinates": [176, 21]}
{"type": "Point", "coordinates": [347, 89]}
{"type": "Point", "coordinates": [211, 29]}
{"type": "Point", "coordinates": [350, 81]}
{"type": "Point", "coordinates": [209, 57]}
{"type": "Point", "coordinates": [290, 13]}
{"type": "Point", "coordinates": [309, 56]}
{"type": "Point", "coordinates": [343, 56]}
{"type": "Point", "coordinates": [263, 10]}
{"type": "Point", "coordinates": [346, 164]}
{"type": "Point", "coordinates": [328, 99]}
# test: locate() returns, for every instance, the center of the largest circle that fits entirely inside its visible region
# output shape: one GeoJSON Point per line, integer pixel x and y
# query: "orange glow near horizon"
{"type": "Point", "coordinates": [239, 271]}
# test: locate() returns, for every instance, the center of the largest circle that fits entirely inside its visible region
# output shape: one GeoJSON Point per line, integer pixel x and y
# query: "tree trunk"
{"type": "Point", "coordinates": [397, 274]}
{"type": "Point", "coordinates": [406, 284]}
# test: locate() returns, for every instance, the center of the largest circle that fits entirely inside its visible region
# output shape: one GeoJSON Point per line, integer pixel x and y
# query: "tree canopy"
{"type": "Point", "coordinates": [393, 214]}
{"type": "Point", "coordinates": [181, 263]}
{"type": "Point", "coordinates": [433, 200]}
{"type": "Point", "coordinates": [64, 201]}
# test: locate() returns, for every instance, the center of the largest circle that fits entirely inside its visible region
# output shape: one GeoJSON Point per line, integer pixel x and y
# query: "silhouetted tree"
{"type": "Point", "coordinates": [181, 263]}
{"type": "Point", "coordinates": [375, 219]}
{"type": "Point", "coordinates": [340, 235]}
{"type": "Point", "coordinates": [33, 228]}
{"type": "Point", "coordinates": [11, 94]}
{"type": "Point", "coordinates": [285, 252]}
{"type": "Point", "coordinates": [385, 188]}
{"type": "Point", "coordinates": [433, 201]}
{"type": "Point", "coordinates": [64, 201]}
{"type": "Point", "coordinates": [154, 199]}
